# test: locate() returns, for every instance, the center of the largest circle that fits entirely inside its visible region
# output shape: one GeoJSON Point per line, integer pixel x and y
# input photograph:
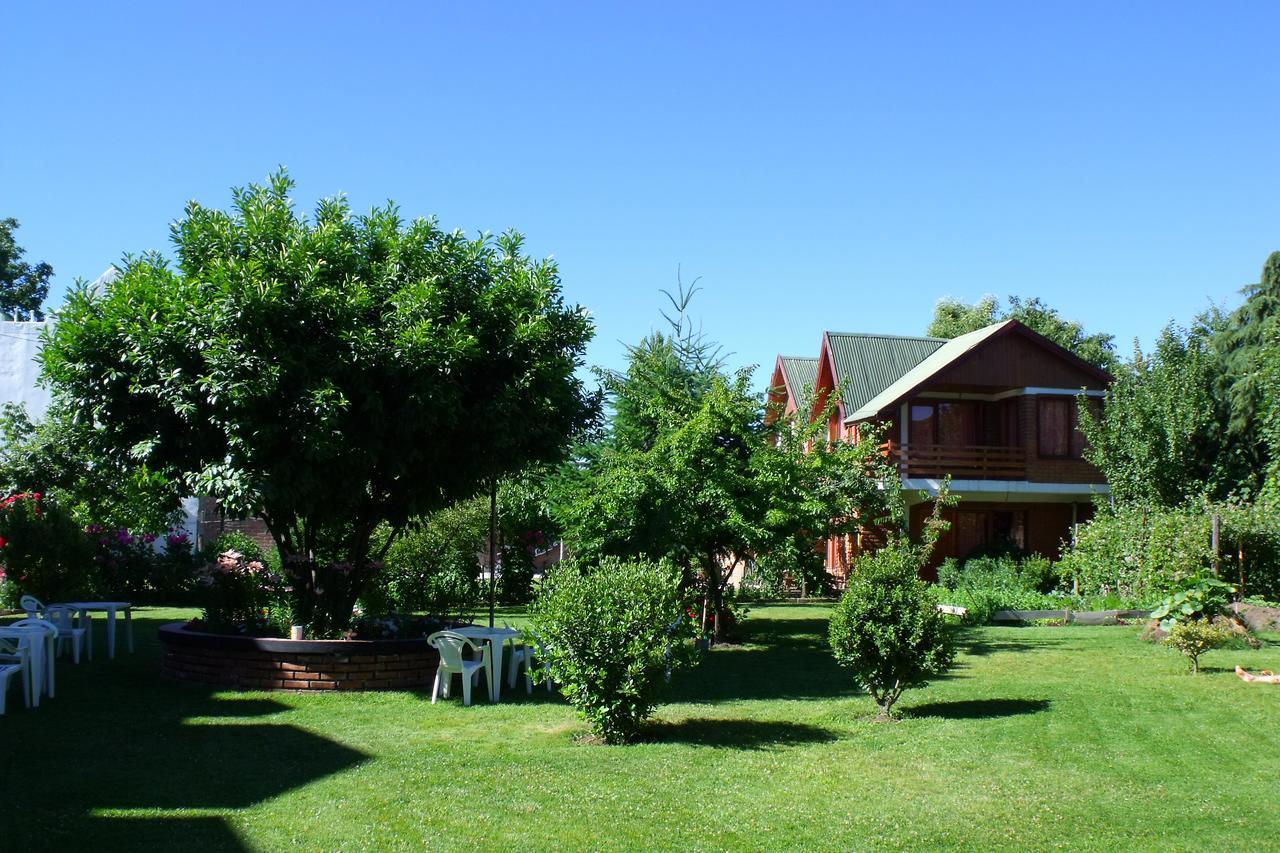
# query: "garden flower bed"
{"type": "Point", "coordinates": [263, 663]}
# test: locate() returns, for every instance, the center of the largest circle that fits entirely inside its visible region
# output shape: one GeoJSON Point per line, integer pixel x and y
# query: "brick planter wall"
{"type": "Point", "coordinates": [254, 663]}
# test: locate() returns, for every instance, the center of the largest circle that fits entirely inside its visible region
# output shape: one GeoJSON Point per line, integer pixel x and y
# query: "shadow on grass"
{"type": "Point", "coordinates": [979, 647]}
{"type": "Point", "coordinates": [977, 709]}
{"type": "Point", "coordinates": [151, 746]}
{"type": "Point", "coordinates": [737, 734]}
{"type": "Point", "coordinates": [776, 659]}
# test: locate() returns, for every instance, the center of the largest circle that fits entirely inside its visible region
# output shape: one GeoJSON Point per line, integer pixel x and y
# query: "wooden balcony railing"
{"type": "Point", "coordinates": [975, 462]}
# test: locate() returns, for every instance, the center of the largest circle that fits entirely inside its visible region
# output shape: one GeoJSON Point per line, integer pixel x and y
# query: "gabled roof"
{"type": "Point", "coordinates": [798, 372]}
{"type": "Point", "coordinates": [867, 364]}
{"type": "Point", "coordinates": [950, 353]}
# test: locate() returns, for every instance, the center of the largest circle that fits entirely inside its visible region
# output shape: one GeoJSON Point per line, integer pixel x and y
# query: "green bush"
{"type": "Point", "coordinates": [984, 585]}
{"type": "Point", "coordinates": [1201, 596]}
{"type": "Point", "coordinates": [612, 636]}
{"type": "Point", "coordinates": [1197, 636]}
{"type": "Point", "coordinates": [886, 628]}
{"type": "Point", "coordinates": [1148, 552]}
{"type": "Point", "coordinates": [43, 552]}
{"type": "Point", "coordinates": [241, 594]}
{"type": "Point", "coordinates": [433, 568]}
{"type": "Point", "coordinates": [130, 565]}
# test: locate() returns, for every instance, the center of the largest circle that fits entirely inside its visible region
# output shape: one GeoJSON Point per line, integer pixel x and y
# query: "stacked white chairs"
{"type": "Point", "coordinates": [14, 660]}
{"type": "Point", "coordinates": [48, 635]}
{"type": "Point", "coordinates": [451, 645]}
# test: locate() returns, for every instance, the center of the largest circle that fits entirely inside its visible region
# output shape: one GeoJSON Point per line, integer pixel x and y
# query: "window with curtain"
{"type": "Point", "coordinates": [1060, 434]}
{"type": "Point", "coordinates": [958, 424]}
{"type": "Point", "coordinates": [923, 429]}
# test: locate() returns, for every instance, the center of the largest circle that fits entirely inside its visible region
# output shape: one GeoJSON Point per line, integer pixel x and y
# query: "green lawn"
{"type": "Point", "coordinates": [1041, 737]}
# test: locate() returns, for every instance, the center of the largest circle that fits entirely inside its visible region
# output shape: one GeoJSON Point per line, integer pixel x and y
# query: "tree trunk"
{"type": "Point", "coordinates": [493, 547]}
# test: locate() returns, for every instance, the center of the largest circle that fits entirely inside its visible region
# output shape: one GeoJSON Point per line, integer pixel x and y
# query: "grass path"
{"type": "Point", "coordinates": [1041, 737]}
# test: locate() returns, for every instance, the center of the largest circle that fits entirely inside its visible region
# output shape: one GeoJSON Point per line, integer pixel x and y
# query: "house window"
{"type": "Point", "coordinates": [990, 531]}
{"type": "Point", "coordinates": [948, 424]}
{"type": "Point", "coordinates": [1059, 422]}
{"type": "Point", "coordinates": [923, 424]}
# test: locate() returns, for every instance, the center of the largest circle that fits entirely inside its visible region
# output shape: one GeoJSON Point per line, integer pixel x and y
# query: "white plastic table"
{"type": "Point", "coordinates": [110, 608]}
{"type": "Point", "coordinates": [40, 652]}
{"type": "Point", "coordinates": [496, 638]}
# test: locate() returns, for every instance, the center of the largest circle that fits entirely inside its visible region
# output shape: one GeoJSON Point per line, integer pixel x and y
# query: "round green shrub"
{"type": "Point", "coordinates": [612, 636]}
{"type": "Point", "coordinates": [886, 628]}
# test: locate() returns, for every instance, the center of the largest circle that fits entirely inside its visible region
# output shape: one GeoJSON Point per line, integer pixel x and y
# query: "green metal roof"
{"type": "Point", "coordinates": [867, 364]}
{"type": "Point", "coordinates": [799, 371]}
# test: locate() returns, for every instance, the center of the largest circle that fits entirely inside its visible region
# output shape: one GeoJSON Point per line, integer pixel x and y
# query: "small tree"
{"type": "Point", "coordinates": [886, 628]}
{"type": "Point", "coordinates": [23, 287]}
{"type": "Point", "coordinates": [1195, 637]}
{"type": "Point", "coordinates": [612, 637]}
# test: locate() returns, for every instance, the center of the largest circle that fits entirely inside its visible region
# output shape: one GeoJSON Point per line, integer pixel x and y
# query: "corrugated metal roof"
{"type": "Point", "coordinates": [942, 356]}
{"type": "Point", "coordinates": [799, 371]}
{"type": "Point", "coordinates": [867, 364]}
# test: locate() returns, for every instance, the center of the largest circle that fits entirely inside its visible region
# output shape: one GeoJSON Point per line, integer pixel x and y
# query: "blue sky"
{"type": "Point", "coordinates": [818, 166]}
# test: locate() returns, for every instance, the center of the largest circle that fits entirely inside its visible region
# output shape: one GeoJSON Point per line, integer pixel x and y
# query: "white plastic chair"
{"type": "Point", "coordinates": [450, 645]}
{"type": "Point", "coordinates": [31, 605]}
{"type": "Point", "coordinates": [63, 618]}
{"type": "Point", "coordinates": [14, 661]}
{"type": "Point", "coordinates": [524, 655]}
{"type": "Point", "coordinates": [49, 636]}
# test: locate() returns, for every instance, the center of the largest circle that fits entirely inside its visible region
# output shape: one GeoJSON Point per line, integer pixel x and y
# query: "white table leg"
{"type": "Point", "coordinates": [111, 632]}
{"type": "Point", "coordinates": [128, 626]}
{"type": "Point", "coordinates": [50, 658]}
{"type": "Point", "coordinates": [495, 681]}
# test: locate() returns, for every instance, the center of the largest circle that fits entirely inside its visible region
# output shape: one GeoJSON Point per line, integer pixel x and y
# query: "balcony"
{"type": "Point", "coordinates": [973, 462]}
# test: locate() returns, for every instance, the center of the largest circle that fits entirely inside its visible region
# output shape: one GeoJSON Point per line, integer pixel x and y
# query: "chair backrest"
{"type": "Point", "coordinates": [31, 605]}
{"type": "Point", "coordinates": [9, 648]}
{"type": "Point", "coordinates": [34, 624]}
{"type": "Point", "coordinates": [59, 616]}
{"type": "Point", "coordinates": [450, 646]}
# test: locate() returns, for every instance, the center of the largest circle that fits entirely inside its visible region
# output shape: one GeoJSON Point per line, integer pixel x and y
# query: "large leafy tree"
{"type": "Point", "coordinates": [1161, 436]}
{"type": "Point", "coordinates": [23, 286]}
{"type": "Point", "coordinates": [1247, 374]}
{"type": "Point", "coordinates": [952, 318]}
{"type": "Point", "coordinates": [328, 374]}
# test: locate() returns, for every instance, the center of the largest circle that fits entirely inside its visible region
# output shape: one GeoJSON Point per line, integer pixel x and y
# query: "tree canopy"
{"type": "Point", "coordinates": [952, 318]}
{"type": "Point", "coordinates": [23, 286]}
{"type": "Point", "coordinates": [328, 374]}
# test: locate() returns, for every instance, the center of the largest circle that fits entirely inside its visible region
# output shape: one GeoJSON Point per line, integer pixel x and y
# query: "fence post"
{"type": "Point", "coordinates": [1215, 542]}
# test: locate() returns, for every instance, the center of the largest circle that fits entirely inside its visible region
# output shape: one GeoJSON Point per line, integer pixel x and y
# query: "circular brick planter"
{"type": "Point", "coordinates": [259, 663]}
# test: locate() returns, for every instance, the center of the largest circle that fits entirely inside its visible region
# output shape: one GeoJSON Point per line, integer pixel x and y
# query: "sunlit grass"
{"type": "Point", "coordinates": [1041, 737]}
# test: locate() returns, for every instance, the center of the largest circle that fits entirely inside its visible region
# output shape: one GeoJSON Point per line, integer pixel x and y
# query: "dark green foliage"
{"type": "Point", "coordinates": [330, 375]}
{"type": "Point", "coordinates": [612, 636]}
{"type": "Point", "coordinates": [952, 318]}
{"type": "Point", "coordinates": [57, 456]}
{"type": "Point", "coordinates": [43, 552]}
{"type": "Point", "coordinates": [886, 629]}
{"type": "Point", "coordinates": [144, 567]}
{"type": "Point", "coordinates": [23, 287]}
{"type": "Point", "coordinates": [1246, 346]}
